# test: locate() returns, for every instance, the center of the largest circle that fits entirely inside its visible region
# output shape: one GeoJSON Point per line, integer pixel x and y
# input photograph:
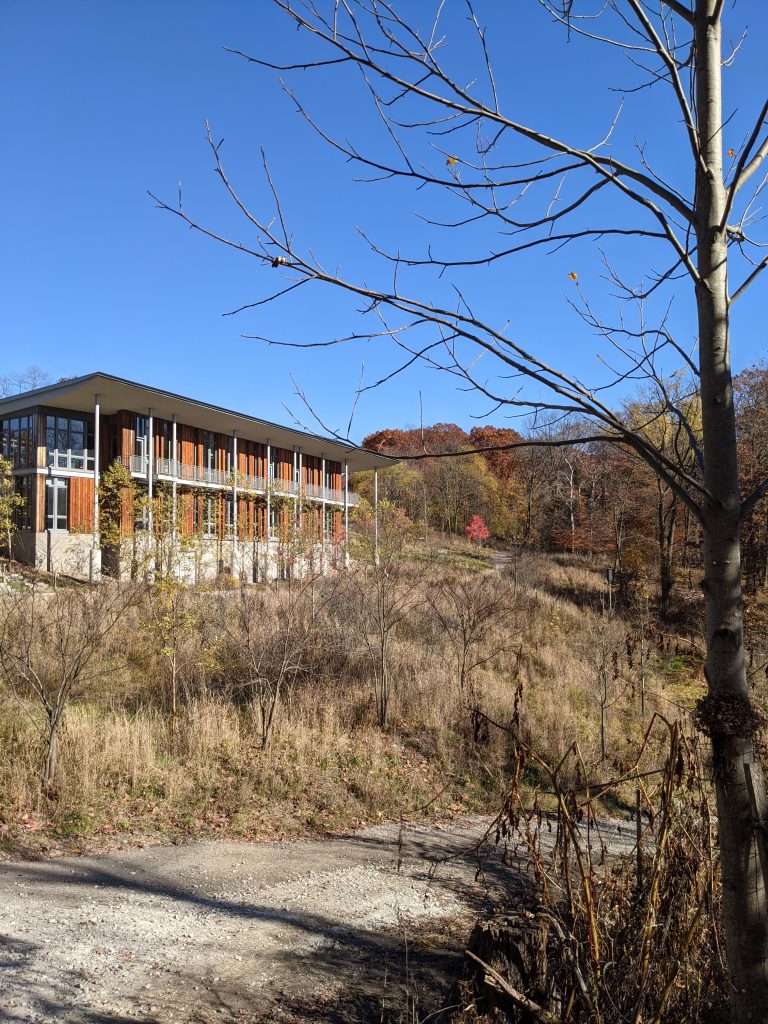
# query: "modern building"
{"type": "Point", "coordinates": [209, 490]}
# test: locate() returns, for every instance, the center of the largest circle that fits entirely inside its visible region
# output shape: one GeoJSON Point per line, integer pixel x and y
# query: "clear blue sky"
{"type": "Point", "coordinates": [101, 101]}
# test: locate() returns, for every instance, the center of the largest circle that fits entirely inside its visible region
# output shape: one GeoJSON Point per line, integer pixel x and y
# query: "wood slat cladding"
{"type": "Point", "coordinates": [333, 470]}
{"type": "Point", "coordinates": [284, 467]}
{"type": "Point", "coordinates": [38, 500]}
{"type": "Point", "coordinates": [126, 425]}
{"type": "Point", "coordinates": [187, 444]}
{"type": "Point", "coordinates": [251, 458]}
{"type": "Point", "coordinates": [223, 447]}
{"type": "Point", "coordinates": [312, 470]}
{"type": "Point", "coordinates": [251, 518]}
{"type": "Point", "coordinates": [80, 500]}
{"type": "Point", "coordinates": [162, 439]}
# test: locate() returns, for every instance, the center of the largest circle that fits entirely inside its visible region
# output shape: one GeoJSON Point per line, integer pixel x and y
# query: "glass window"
{"type": "Point", "coordinates": [21, 459]}
{"type": "Point", "coordinates": [16, 441]}
{"type": "Point", "coordinates": [209, 516]}
{"type": "Point", "coordinates": [141, 435]}
{"type": "Point", "coordinates": [56, 504]}
{"type": "Point", "coordinates": [23, 516]}
{"type": "Point", "coordinates": [77, 436]}
{"type": "Point", "coordinates": [68, 440]}
{"type": "Point", "coordinates": [62, 433]}
{"type": "Point", "coordinates": [209, 449]}
{"type": "Point", "coordinates": [274, 464]}
{"type": "Point", "coordinates": [229, 514]}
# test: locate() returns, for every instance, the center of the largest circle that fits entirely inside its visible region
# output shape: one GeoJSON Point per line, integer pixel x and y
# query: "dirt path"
{"type": "Point", "coordinates": [281, 931]}
{"type": "Point", "coordinates": [219, 931]}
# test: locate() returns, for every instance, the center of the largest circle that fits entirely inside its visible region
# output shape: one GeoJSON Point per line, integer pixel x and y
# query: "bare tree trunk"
{"type": "Point", "coordinates": [667, 523]}
{"type": "Point", "coordinates": [383, 681]}
{"type": "Point", "coordinates": [731, 723]}
{"type": "Point", "coordinates": [51, 754]}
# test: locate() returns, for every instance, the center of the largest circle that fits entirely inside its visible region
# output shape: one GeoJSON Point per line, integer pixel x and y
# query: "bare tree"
{"type": "Point", "coordinates": [53, 642]}
{"type": "Point", "coordinates": [15, 383]}
{"type": "Point", "coordinates": [474, 612]}
{"type": "Point", "coordinates": [271, 631]}
{"type": "Point", "coordinates": [541, 192]}
{"type": "Point", "coordinates": [604, 644]}
{"type": "Point", "coordinates": [386, 588]}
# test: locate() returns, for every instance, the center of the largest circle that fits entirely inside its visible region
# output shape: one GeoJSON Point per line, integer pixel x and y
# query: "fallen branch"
{"type": "Point", "coordinates": [495, 981]}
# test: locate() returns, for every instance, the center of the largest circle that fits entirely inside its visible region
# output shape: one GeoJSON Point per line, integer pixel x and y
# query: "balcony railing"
{"type": "Point", "coordinates": [82, 459]}
{"type": "Point", "coordinates": [332, 494]}
{"type": "Point", "coordinates": [170, 469]}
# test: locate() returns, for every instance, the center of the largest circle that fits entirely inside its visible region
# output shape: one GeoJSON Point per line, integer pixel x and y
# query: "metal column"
{"type": "Point", "coordinates": [346, 511]}
{"type": "Point", "coordinates": [150, 463]}
{"type": "Point", "coordinates": [96, 460]}
{"type": "Point", "coordinates": [269, 487]}
{"type": "Point", "coordinates": [174, 470]}
{"type": "Point", "coordinates": [234, 488]}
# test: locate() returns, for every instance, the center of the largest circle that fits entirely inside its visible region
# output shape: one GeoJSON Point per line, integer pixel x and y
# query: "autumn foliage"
{"type": "Point", "coordinates": [589, 499]}
{"type": "Point", "coordinates": [477, 531]}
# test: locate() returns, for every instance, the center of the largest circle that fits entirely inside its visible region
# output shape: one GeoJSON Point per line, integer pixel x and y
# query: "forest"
{"type": "Point", "coordinates": [592, 499]}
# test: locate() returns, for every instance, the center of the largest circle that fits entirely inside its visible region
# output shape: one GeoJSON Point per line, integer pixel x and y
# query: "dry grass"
{"type": "Point", "coordinates": [128, 767]}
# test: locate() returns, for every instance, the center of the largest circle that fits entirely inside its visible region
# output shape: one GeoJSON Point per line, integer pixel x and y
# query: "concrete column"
{"type": "Point", "coordinates": [150, 463]}
{"type": "Point", "coordinates": [269, 487]}
{"type": "Point", "coordinates": [376, 516]}
{"type": "Point", "coordinates": [96, 458]}
{"type": "Point", "coordinates": [234, 487]}
{"type": "Point", "coordinates": [301, 488]}
{"type": "Point", "coordinates": [295, 492]}
{"type": "Point", "coordinates": [322, 514]}
{"type": "Point", "coordinates": [95, 556]}
{"type": "Point", "coordinates": [174, 460]}
{"type": "Point", "coordinates": [322, 491]}
{"type": "Point", "coordinates": [346, 512]}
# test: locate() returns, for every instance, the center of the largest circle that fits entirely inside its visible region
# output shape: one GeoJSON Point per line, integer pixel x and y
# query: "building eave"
{"type": "Point", "coordinates": [117, 393]}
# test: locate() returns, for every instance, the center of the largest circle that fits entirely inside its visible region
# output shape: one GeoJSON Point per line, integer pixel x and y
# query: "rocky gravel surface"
{"type": "Point", "coordinates": [216, 930]}
{"type": "Point", "coordinates": [240, 931]}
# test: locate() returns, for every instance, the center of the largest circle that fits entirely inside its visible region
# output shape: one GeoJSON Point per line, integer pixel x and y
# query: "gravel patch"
{"type": "Point", "coordinates": [171, 933]}
{"type": "Point", "coordinates": [225, 931]}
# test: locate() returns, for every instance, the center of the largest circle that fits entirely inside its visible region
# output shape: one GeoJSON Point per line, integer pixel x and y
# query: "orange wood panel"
{"type": "Point", "coordinates": [38, 499]}
{"type": "Point", "coordinates": [80, 504]}
{"type": "Point", "coordinates": [220, 452]}
{"type": "Point", "coordinates": [186, 437]}
{"type": "Point", "coordinates": [334, 469]}
{"type": "Point", "coordinates": [126, 425]}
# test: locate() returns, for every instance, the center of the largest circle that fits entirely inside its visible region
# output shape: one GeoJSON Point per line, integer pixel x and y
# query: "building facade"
{"type": "Point", "coordinates": [115, 473]}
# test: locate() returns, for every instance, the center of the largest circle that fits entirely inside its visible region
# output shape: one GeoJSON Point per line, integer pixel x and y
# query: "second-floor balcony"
{"type": "Point", "coordinates": [170, 469]}
{"type": "Point", "coordinates": [81, 459]}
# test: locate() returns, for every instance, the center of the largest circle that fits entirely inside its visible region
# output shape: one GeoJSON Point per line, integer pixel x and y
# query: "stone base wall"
{"type": "Point", "coordinates": [71, 554]}
{"type": "Point", "coordinates": [206, 560]}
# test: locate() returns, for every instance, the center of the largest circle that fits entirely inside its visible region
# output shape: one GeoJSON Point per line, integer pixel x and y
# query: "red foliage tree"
{"type": "Point", "coordinates": [477, 531]}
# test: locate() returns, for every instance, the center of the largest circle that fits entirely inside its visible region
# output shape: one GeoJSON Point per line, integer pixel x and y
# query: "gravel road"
{"type": "Point", "coordinates": [210, 931]}
{"type": "Point", "coordinates": [221, 931]}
